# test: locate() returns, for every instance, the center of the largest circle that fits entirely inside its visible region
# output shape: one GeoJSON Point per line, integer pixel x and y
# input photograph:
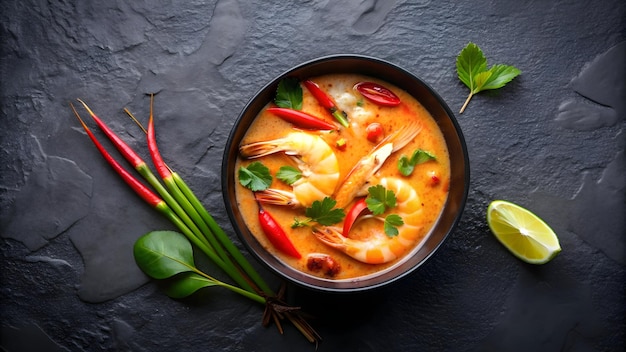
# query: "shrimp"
{"type": "Point", "coordinates": [358, 177]}
{"type": "Point", "coordinates": [377, 247]}
{"type": "Point", "coordinates": [313, 156]}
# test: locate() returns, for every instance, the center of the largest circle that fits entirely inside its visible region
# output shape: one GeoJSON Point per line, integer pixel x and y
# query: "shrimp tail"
{"type": "Point", "coordinates": [277, 197]}
{"type": "Point", "coordinates": [260, 149]}
{"type": "Point", "coordinates": [331, 237]}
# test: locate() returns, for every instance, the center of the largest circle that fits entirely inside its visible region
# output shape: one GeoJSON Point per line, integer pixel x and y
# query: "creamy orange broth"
{"type": "Point", "coordinates": [340, 88]}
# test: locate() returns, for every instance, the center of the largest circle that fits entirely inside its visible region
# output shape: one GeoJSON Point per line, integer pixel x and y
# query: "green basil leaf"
{"type": "Point", "coordinates": [471, 67]}
{"type": "Point", "coordinates": [500, 75]}
{"type": "Point", "coordinates": [405, 166]}
{"type": "Point", "coordinates": [421, 156]}
{"type": "Point", "coordinates": [469, 63]}
{"type": "Point", "coordinates": [163, 254]}
{"type": "Point", "coordinates": [480, 79]}
{"type": "Point", "coordinates": [185, 284]}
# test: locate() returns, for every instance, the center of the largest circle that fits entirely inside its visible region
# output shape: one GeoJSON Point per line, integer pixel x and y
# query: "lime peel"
{"type": "Point", "coordinates": [523, 233]}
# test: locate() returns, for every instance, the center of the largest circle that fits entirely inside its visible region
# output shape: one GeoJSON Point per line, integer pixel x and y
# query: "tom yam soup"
{"type": "Point", "coordinates": [342, 175]}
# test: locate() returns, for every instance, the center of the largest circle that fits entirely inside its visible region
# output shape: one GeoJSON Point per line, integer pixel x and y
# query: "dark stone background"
{"type": "Point", "coordinates": [552, 140]}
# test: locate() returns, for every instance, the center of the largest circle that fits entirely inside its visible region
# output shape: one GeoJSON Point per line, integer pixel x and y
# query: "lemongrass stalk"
{"type": "Point", "coordinates": [140, 189]}
{"type": "Point", "coordinates": [140, 165]}
{"type": "Point", "coordinates": [166, 175]}
{"type": "Point", "coordinates": [214, 232]}
{"type": "Point", "coordinates": [272, 311]}
{"type": "Point", "coordinates": [195, 233]}
{"type": "Point", "coordinates": [222, 236]}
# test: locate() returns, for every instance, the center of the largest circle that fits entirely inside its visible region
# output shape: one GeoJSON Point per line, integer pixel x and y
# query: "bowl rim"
{"type": "Point", "coordinates": [359, 284]}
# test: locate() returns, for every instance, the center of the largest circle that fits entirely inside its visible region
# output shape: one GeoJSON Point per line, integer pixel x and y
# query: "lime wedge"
{"type": "Point", "coordinates": [523, 233]}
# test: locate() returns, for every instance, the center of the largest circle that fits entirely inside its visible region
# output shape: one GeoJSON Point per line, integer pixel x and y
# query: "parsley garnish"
{"type": "Point", "coordinates": [289, 94]}
{"type": "Point", "coordinates": [321, 213]}
{"type": "Point", "coordinates": [256, 176]}
{"type": "Point", "coordinates": [288, 174]}
{"type": "Point", "coordinates": [392, 221]}
{"type": "Point", "coordinates": [379, 199]}
{"type": "Point", "coordinates": [471, 67]}
{"type": "Point", "coordinates": [419, 156]}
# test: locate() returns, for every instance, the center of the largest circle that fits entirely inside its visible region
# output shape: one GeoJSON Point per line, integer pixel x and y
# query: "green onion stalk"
{"type": "Point", "coordinates": [178, 203]}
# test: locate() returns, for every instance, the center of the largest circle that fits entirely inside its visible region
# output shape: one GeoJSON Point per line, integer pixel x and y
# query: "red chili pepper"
{"type": "Point", "coordinates": [359, 207]}
{"type": "Point", "coordinates": [326, 102]}
{"type": "Point", "coordinates": [319, 94]}
{"type": "Point", "coordinates": [129, 154]}
{"type": "Point", "coordinates": [276, 235]}
{"type": "Point", "coordinates": [378, 94]}
{"type": "Point", "coordinates": [157, 159]}
{"type": "Point", "coordinates": [301, 119]}
{"type": "Point", "coordinates": [143, 191]}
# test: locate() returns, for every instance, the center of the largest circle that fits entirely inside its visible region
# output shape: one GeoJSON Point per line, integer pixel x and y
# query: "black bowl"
{"type": "Point", "coordinates": [459, 162]}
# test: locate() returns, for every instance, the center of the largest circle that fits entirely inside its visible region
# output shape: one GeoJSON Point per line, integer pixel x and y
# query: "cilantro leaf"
{"type": "Point", "coordinates": [407, 165]}
{"type": "Point", "coordinates": [471, 67]}
{"type": "Point", "coordinates": [288, 174]}
{"type": "Point", "coordinates": [392, 221]}
{"type": "Point", "coordinates": [289, 94]}
{"type": "Point", "coordinates": [256, 176]}
{"type": "Point", "coordinates": [322, 212]}
{"type": "Point", "coordinates": [379, 199]}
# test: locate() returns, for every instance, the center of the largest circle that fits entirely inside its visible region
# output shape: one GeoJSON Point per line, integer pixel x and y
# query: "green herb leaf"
{"type": "Point", "coordinates": [288, 174]}
{"type": "Point", "coordinates": [421, 156]}
{"type": "Point", "coordinates": [380, 199]}
{"type": "Point", "coordinates": [392, 221]}
{"type": "Point", "coordinates": [185, 284]}
{"type": "Point", "coordinates": [471, 67]}
{"type": "Point", "coordinates": [300, 223]}
{"type": "Point", "coordinates": [169, 255]}
{"type": "Point", "coordinates": [407, 165]}
{"type": "Point", "coordinates": [500, 75]}
{"type": "Point", "coordinates": [469, 63]}
{"type": "Point", "coordinates": [322, 213]}
{"type": "Point", "coordinates": [255, 177]}
{"type": "Point", "coordinates": [163, 254]}
{"type": "Point", "coordinates": [289, 94]}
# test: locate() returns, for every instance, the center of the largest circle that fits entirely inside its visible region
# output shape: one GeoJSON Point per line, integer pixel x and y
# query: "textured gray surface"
{"type": "Point", "coordinates": [552, 141]}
